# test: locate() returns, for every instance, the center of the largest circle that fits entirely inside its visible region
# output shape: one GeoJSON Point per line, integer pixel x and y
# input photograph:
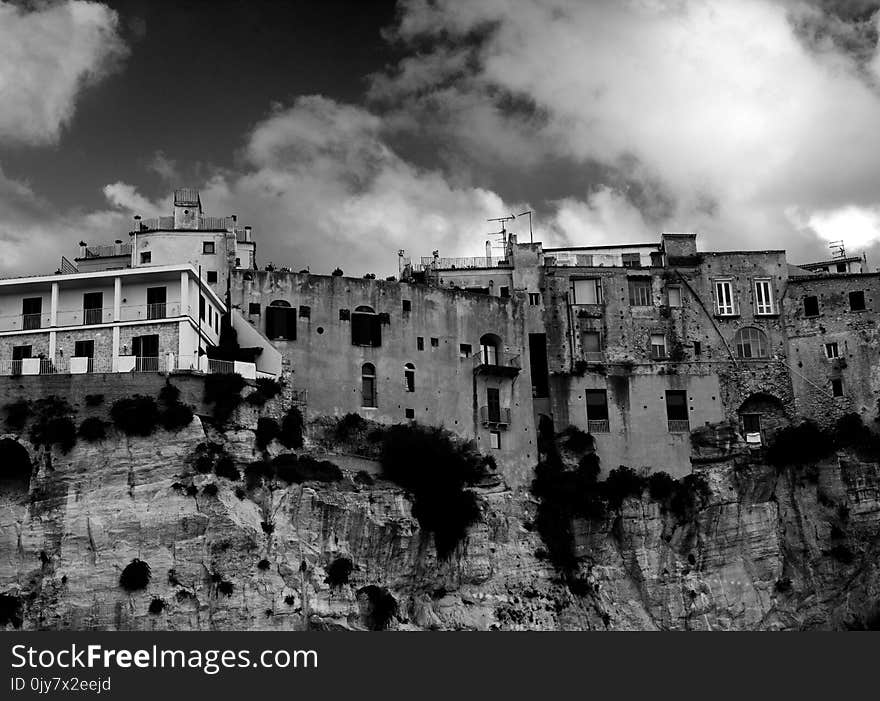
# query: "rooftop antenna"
{"type": "Point", "coordinates": [837, 249]}
{"type": "Point", "coordinates": [503, 231]}
{"type": "Point", "coordinates": [529, 212]}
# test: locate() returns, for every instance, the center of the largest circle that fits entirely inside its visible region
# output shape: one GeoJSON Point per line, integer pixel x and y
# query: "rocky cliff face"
{"type": "Point", "coordinates": [768, 550]}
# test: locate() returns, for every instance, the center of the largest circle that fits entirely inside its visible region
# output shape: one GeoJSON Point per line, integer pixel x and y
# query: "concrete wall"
{"type": "Point", "coordinates": [447, 392]}
{"type": "Point", "coordinates": [184, 246]}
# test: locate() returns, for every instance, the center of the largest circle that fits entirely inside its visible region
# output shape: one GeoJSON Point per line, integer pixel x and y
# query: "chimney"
{"type": "Point", "coordinates": [247, 233]}
{"type": "Point", "coordinates": [118, 249]}
{"type": "Point", "coordinates": [82, 249]}
{"type": "Point", "coordinates": [137, 222]}
{"type": "Point", "coordinates": [488, 249]}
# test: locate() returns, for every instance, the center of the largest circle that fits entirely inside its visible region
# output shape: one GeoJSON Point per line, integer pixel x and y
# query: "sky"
{"type": "Point", "coordinates": [345, 131]}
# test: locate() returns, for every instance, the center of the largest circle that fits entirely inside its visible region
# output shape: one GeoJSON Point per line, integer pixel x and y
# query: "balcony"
{"type": "Point", "coordinates": [30, 366]}
{"type": "Point", "coordinates": [156, 311]}
{"type": "Point", "coordinates": [92, 316]}
{"type": "Point", "coordinates": [679, 426]}
{"type": "Point", "coordinates": [496, 417]}
{"type": "Point", "coordinates": [498, 364]}
{"type": "Point", "coordinates": [598, 426]}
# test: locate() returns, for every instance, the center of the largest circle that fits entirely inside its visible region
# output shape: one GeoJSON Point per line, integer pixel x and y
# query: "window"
{"type": "Point", "coordinates": [84, 349]}
{"type": "Point", "coordinates": [435, 342]}
{"type": "Point", "coordinates": [344, 315]}
{"type": "Point", "coordinates": [831, 351]}
{"type": "Point", "coordinates": [420, 343]}
{"type": "Point", "coordinates": [254, 308]}
{"type": "Point", "coordinates": [410, 413]}
{"type": "Point", "coordinates": [698, 348]}
{"type": "Point", "coordinates": [407, 306]}
{"type": "Point", "coordinates": [640, 292]}
{"type": "Point", "coordinates": [464, 350]}
{"type": "Point", "coordinates": [93, 303]}
{"type": "Point", "coordinates": [751, 423]}
{"type": "Point", "coordinates": [724, 298]}
{"type": "Point", "coordinates": [201, 306]}
{"type": "Point", "coordinates": [811, 306]}
{"type": "Point", "coordinates": [31, 313]}
{"type": "Point", "coordinates": [677, 411]}
{"type": "Point", "coordinates": [493, 404]}
{"type": "Point", "coordinates": [156, 302]}
{"type": "Point", "coordinates": [489, 349]}
{"type": "Point", "coordinates": [207, 248]}
{"type": "Point", "coordinates": [366, 328]}
{"type": "Point", "coordinates": [841, 267]}
{"type": "Point", "coordinates": [146, 257]}
{"type": "Point", "coordinates": [587, 291]}
{"type": "Point", "coordinates": [592, 345]}
{"type": "Point", "coordinates": [495, 439]}
{"type": "Point", "coordinates": [857, 301]}
{"type": "Point", "coordinates": [836, 387]}
{"type": "Point", "coordinates": [409, 377]}
{"type": "Point", "coordinates": [212, 277]}
{"type": "Point", "coordinates": [658, 346]}
{"type": "Point", "coordinates": [146, 350]}
{"type": "Point", "coordinates": [368, 385]}
{"type": "Point", "coordinates": [673, 296]}
{"type": "Point", "coordinates": [764, 297]}
{"type": "Point", "coordinates": [21, 352]}
{"type": "Point", "coordinates": [281, 321]}
{"type": "Point", "coordinates": [305, 312]}
{"type": "Point", "coordinates": [597, 410]}
{"type": "Point", "coordinates": [504, 292]}
{"type": "Point", "coordinates": [534, 299]}
{"type": "Point", "coordinates": [750, 343]}
{"type": "Point", "coordinates": [631, 260]}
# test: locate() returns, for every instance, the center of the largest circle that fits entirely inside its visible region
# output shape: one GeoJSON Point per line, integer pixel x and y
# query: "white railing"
{"type": "Point", "coordinates": [463, 263]}
{"type": "Point", "coordinates": [598, 426]}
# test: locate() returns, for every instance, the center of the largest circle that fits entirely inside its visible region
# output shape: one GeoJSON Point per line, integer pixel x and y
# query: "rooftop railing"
{"type": "Point", "coordinates": [108, 250]}
{"type": "Point", "coordinates": [203, 224]}
{"type": "Point", "coordinates": [463, 263]}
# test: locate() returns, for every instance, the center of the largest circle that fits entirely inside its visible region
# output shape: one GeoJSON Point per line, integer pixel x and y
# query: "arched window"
{"type": "Point", "coordinates": [489, 349]}
{"type": "Point", "coordinates": [366, 329]}
{"type": "Point", "coordinates": [368, 385]}
{"type": "Point", "coordinates": [281, 321]}
{"type": "Point", "coordinates": [409, 377]}
{"type": "Point", "coordinates": [751, 343]}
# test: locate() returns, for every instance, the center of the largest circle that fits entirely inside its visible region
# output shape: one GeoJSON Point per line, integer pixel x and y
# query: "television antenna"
{"type": "Point", "coordinates": [503, 231]}
{"type": "Point", "coordinates": [837, 249]}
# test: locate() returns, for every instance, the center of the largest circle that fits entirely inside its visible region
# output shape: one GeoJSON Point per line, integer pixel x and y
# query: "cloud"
{"type": "Point", "coordinates": [47, 55]}
{"type": "Point", "coordinates": [731, 113]}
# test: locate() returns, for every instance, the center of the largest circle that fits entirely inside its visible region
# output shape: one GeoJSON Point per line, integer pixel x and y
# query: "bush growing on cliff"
{"type": "Point", "coordinates": [799, 445]}
{"type": "Point", "coordinates": [294, 469]}
{"type": "Point", "coordinates": [576, 440]}
{"type": "Point", "coordinates": [223, 390]}
{"type": "Point", "coordinates": [661, 486]}
{"type": "Point", "coordinates": [348, 425]}
{"type": "Point", "coordinates": [10, 611]}
{"type": "Point", "coordinates": [621, 484]}
{"type": "Point", "coordinates": [53, 424]}
{"type": "Point", "coordinates": [157, 605]}
{"type": "Point", "coordinates": [381, 606]}
{"type": "Point", "coordinates": [291, 433]}
{"type": "Point", "coordinates": [93, 429]}
{"type": "Point", "coordinates": [339, 571]}
{"type": "Point", "coordinates": [135, 576]}
{"type": "Point", "coordinates": [94, 400]}
{"type": "Point", "coordinates": [435, 468]}
{"type": "Point", "coordinates": [266, 388]}
{"type": "Point", "coordinates": [267, 430]}
{"type": "Point", "coordinates": [174, 415]}
{"type": "Point", "coordinates": [135, 416]}
{"type": "Point", "coordinates": [17, 414]}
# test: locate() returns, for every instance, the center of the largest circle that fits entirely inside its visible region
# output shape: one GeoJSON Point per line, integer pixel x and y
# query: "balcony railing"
{"type": "Point", "coordinates": [146, 364]}
{"type": "Point", "coordinates": [598, 426]}
{"type": "Point", "coordinates": [679, 426]}
{"type": "Point", "coordinates": [503, 364]}
{"type": "Point", "coordinates": [204, 224]}
{"type": "Point", "coordinates": [81, 365]}
{"type": "Point", "coordinates": [30, 366]}
{"type": "Point", "coordinates": [31, 321]}
{"type": "Point", "coordinates": [495, 416]}
{"type": "Point", "coordinates": [156, 311]}
{"type": "Point", "coordinates": [93, 316]}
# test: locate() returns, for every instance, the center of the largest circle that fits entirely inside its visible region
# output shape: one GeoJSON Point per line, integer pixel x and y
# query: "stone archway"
{"type": "Point", "coordinates": [762, 415]}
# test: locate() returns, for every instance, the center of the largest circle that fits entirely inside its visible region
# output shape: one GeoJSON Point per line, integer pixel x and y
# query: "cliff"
{"type": "Point", "coordinates": [767, 549]}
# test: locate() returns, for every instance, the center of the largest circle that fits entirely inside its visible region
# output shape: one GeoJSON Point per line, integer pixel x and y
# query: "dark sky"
{"type": "Point", "coordinates": [200, 74]}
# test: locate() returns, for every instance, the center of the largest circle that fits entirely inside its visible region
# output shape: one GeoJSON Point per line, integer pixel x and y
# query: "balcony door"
{"type": "Point", "coordinates": [31, 312]}
{"type": "Point", "coordinates": [156, 297]}
{"type": "Point", "coordinates": [93, 303]}
{"type": "Point", "coordinates": [85, 349]}
{"type": "Point", "coordinates": [146, 350]}
{"type": "Point", "coordinates": [493, 404]}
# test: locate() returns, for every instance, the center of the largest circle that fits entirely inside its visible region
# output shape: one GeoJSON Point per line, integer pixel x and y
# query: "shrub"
{"type": "Point", "coordinates": [364, 477]}
{"type": "Point", "coordinates": [576, 440]}
{"type": "Point", "coordinates": [263, 565]}
{"type": "Point", "coordinates": [291, 434]}
{"type": "Point", "coordinates": [382, 606]}
{"type": "Point", "coordinates": [256, 472]}
{"type": "Point", "coordinates": [53, 424]}
{"type": "Point", "coordinates": [225, 467]}
{"type": "Point", "coordinates": [690, 495]}
{"type": "Point", "coordinates": [799, 445]}
{"type": "Point", "coordinates": [94, 399]}
{"type": "Point", "coordinates": [174, 414]}
{"type": "Point", "coordinates": [294, 469]}
{"type": "Point", "coordinates": [169, 394]}
{"type": "Point", "coordinates": [240, 493]}
{"type": "Point", "coordinates": [623, 483]}
{"type": "Point", "coordinates": [225, 587]}
{"type": "Point", "coordinates": [268, 527]}
{"type": "Point", "coordinates": [135, 576]}
{"type": "Point", "coordinates": [210, 489]}
{"type": "Point", "coordinates": [266, 389]}
{"type": "Point", "coordinates": [347, 425]}
{"type": "Point", "coordinates": [842, 554]}
{"type": "Point", "coordinates": [223, 390]}
{"type": "Point", "coordinates": [93, 429]}
{"type": "Point", "coordinates": [435, 468]}
{"type": "Point", "coordinates": [191, 490]}
{"type": "Point", "coordinates": [339, 571]}
{"type": "Point", "coordinates": [661, 486]}
{"type": "Point", "coordinates": [157, 605]}
{"type": "Point", "coordinates": [783, 585]}
{"type": "Point", "coordinates": [851, 432]}
{"type": "Point", "coordinates": [289, 600]}
{"type": "Point", "coordinates": [267, 430]}
{"type": "Point", "coordinates": [135, 416]}
{"type": "Point", "coordinates": [17, 414]}
{"type": "Point", "coordinates": [10, 611]}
